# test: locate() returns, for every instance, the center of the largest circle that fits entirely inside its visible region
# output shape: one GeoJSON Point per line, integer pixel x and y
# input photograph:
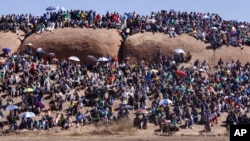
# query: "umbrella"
{"type": "Point", "coordinates": [74, 58]}
{"type": "Point", "coordinates": [141, 111]}
{"type": "Point", "coordinates": [242, 26]}
{"type": "Point", "coordinates": [126, 107]}
{"type": "Point", "coordinates": [171, 10]}
{"type": "Point", "coordinates": [40, 104]}
{"type": "Point", "coordinates": [11, 107]}
{"type": "Point", "coordinates": [165, 102]}
{"type": "Point", "coordinates": [6, 50]}
{"type": "Point", "coordinates": [154, 71]}
{"type": "Point", "coordinates": [50, 8]}
{"type": "Point", "coordinates": [151, 21]}
{"type": "Point", "coordinates": [29, 44]}
{"type": "Point", "coordinates": [27, 90]}
{"type": "Point", "coordinates": [179, 51]}
{"type": "Point", "coordinates": [206, 17]}
{"type": "Point", "coordinates": [214, 28]}
{"type": "Point", "coordinates": [91, 57]}
{"type": "Point", "coordinates": [60, 8]}
{"type": "Point", "coordinates": [103, 59]}
{"type": "Point", "coordinates": [180, 73]}
{"type": "Point", "coordinates": [28, 115]}
{"type": "Point", "coordinates": [39, 50]}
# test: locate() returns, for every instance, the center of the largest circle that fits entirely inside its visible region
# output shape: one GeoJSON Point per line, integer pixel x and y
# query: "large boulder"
{"type": "Point", "coordinates": [144, 46]}
{"type": "Point", "coordinates": [10, 40]}
{"type": "Point", "coordinates": [78, 42]}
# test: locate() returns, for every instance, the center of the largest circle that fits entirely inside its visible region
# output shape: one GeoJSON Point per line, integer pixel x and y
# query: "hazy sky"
{"type": "Point", "coordinates": [228, 9]}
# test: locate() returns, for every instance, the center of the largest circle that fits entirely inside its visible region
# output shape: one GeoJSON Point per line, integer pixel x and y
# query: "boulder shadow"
{"type": "Point", "coordinates": [182, 126]}
{"type": "Point", "coordinates": [210, 48]}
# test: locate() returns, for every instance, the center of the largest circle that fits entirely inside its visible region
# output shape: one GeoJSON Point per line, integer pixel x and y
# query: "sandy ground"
{"type": "Point", "coordinates": [115, 138]}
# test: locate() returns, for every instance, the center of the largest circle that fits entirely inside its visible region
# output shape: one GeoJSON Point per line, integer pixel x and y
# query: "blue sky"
{"type": "Point", "coordinates": [228, 9]}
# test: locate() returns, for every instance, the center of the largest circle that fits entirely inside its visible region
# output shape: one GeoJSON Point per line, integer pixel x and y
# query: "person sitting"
{"type": "Point", "coordinates": [111, 115]}
{"type": "Point", "coordinates": [188, 57]}
{"type": "Point", "coordinates": [79, 119]}
{"type": "Point", "coordinates": [137, 121]}
{"type": "Point", "coordinates": [44, 123]}
{"type": "Point", "coordinates": [51, 26]}
{"type": "Point", "coordinates": [231, 119]}
{"type": "Point", "coordinates": [126, 113]}
{"type": "Point", "coordinates": [120, 114]}
{"type": "Point", "coordinates": [1, 113]}
{"type": "Point", "coordinates": [189, 121]}
{"type": "Point", "coordinates": [29, 123]}
{"type": "Point", "coordinates": [213, 118]}
{"type": "Point", "coordinates": [95, 117]}
{"type": "Point", "coordinates": [52, 105]}
{"type": "Point", "coordinates": [144, 122]}
{"type": "Point", "coordinates": [56, 120]}
{"type": "Point", "coordinates": [37, 124]}
{"type": "Point", "coordinates": [87, 117]}
{"type": "Point", "coordinates": [68, 123]}
{"type": "Point", "coordinates": [171, 31]}
{"type": "Point", "coordinates": [10, 100]}
{"type": "Point", "coordinates": [61, 122]}
{"type": "Point", "coordinates": [195, 115]}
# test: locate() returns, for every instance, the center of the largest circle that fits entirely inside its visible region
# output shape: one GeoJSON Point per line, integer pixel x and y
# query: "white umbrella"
{"type": "Point", "coordinates": [214, 28]}
{"type": "Point", "coordinates": [206, 17]}
{"type": "Point", "coordinates": [39, 50]}
{"type": "Point", "coordinates": [28, 115]}
{"type": "Point", "coordinates": [60, 8]}
{"type": "Point", "coordinates": [165, 102]}
{"type": "Point", "coordinates": [91, 57]}
{"type": "Point", "coordinates": [178, 50]}
{"type": "Point", "coordinates": [103, 59]}
{"type": "Point", "coordinates": [11, 107]}
{"type": "Point", "coordinates": [74, 58]}
{"type": "Point", "coordinates": [151, 21]}
{"type": "Point", "coordinates": [242, 26]}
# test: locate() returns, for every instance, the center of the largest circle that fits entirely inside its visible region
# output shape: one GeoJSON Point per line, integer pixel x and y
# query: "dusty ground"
{"type": "Point", "coordinates": [117, 138]}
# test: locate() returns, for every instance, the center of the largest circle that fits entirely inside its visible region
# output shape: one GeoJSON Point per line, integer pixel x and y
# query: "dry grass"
{"type": "Point", "coordinates": [124, 125]}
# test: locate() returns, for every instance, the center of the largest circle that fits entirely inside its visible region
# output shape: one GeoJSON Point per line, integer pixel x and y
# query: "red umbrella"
{"type": "Point", "coordinates": [141, 111]}
{"type": "Point", "coordinates": [180, 73]}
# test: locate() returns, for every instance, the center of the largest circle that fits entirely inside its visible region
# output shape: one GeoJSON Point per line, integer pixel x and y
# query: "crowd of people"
{"type": "Point", "coordinates": [148, 89]}
{"type": "Point", "coordinates": [208, 27]}
{"type": "Point", "coordinates": [197, 94]}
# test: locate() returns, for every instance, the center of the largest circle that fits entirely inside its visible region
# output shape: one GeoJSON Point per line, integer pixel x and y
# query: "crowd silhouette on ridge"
{"type": "Point", "coordinates": [209, 27]}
